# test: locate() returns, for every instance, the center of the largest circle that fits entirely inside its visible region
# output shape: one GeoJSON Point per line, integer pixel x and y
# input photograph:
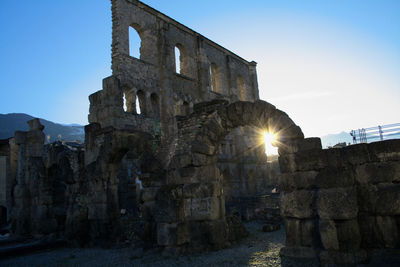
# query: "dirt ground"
{"type": "Point", "coordinates": [258, 249]}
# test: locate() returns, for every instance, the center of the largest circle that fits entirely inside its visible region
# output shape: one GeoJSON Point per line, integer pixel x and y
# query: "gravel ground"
{"type": "Point", "coordinates": [258, 249]}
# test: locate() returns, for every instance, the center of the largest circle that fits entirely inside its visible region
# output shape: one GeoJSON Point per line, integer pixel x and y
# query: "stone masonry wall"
{"type": "Point", "coordinates": [340, 205]}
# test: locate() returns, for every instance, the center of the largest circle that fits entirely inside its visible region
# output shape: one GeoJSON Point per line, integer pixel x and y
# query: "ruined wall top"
{"type": "Point", "coordinates": [207, 70]}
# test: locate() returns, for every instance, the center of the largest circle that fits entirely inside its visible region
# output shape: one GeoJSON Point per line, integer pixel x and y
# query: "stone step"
{"type": "Point", "coordinates": [24, 248]}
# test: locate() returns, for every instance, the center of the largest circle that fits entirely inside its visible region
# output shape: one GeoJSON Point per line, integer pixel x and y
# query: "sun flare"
{"type": "Point", "coordinates": [269, 139]}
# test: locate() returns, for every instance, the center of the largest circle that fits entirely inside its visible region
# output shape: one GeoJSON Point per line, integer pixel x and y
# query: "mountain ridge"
{"type": "Point", "coordinates": [11, 122]}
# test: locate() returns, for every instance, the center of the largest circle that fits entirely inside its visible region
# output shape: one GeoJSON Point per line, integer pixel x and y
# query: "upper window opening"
{"type": "Point", "coordinates": [178, 60]}
{"type": "Point", "coordinates": [140, 102]}
{"type": "Point", "coordinates": [137, 106]}
{"type": "Point", "coordinates": [125, 103]}
{"type": "Point", "coordinates": [135, 43]}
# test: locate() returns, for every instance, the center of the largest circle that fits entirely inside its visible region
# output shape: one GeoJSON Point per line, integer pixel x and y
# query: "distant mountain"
{"type": "Point", "coordinates": [9, 123]}
{"type": "Point", "coordinates": [333, 139]}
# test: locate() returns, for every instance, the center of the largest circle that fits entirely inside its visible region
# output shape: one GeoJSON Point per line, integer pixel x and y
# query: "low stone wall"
{"type": "Point", "coordinates": [340, 205]}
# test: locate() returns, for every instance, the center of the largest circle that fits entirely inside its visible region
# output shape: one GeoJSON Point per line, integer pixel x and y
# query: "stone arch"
{"type": "Point", "coordinates": [105, 151]}
{"type": "Point", "coordinates": [193, 169]}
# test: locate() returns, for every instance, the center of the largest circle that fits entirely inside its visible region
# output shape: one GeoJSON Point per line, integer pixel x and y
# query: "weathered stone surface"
{"type": "Point", "coordinates": [288, 182]}
{"type": "Point", "coordinates": [387, 150]}
{"type": "Point", "coordinates": [382, 199]}
{"type": "Point", "coordinates": [329, 237]}
{"type": "Point", "coordinates": [301, 233]}
{"type": "Point", "coordinates": [202, 190]}
{"type": "Point", "coordinates": [271, 227]}
{"type": "Point", "coordinates": [337, 203]}
{"type": "Point", "coordinates": [166, 234]}
{"type": "Point", "coordinates": [301, 145]}
{"type": "Point", "coordinates": [298, 204]}
{"type": "Point", "coordinates": [330, 177]}
{"type": "Point", "coordinates": [208, 208]}
{"type": "Point", "coordinates": [348, 235]}
{"type": "Point", "coordinates": [379, 172]}
{"type": "Point", "coordinates": [379, 231]}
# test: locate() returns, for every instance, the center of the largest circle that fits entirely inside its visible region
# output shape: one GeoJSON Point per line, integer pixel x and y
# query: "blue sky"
{"type": "Point", "coordinates": [332, 65]}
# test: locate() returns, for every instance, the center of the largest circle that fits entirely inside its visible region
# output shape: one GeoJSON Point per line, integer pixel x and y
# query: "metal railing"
{"type": "Point", "coordinates": [378, 133]}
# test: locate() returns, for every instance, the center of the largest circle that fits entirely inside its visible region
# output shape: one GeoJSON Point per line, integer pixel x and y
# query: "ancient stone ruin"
{"type": "Point", "coordinates": [172, 160]}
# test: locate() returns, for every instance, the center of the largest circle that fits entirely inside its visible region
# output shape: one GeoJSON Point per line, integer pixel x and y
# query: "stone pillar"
{"type": "Point", "coordinates": [253, 81]}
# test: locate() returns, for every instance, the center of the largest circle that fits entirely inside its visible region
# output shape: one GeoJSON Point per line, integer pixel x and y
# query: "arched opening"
{"type": "Point", "coordinates": [181, 62]}
{"type": "Point", "coordinates": [241, 87]}
{"type": "Point", "coordinates": [215, 78]}
{"type": "Point", "coordinates": [125, 105]}
{"type": "Point", "coordinates": [135, 42]}
{"type": "Point", "coordinates": [178, 60]}
{"type": "Point", "coordinates": [185, 108]}
{"type": "Point", "coordinates": [3, 216]}
{"type": "Point", "coordinates": [129, 101]}
{"type": "Point", "coordinates": [140, 102]}
{"type": "Point", "coordinates": [155, 105]}
{"type": "Point", "coordinates": [205, 137]}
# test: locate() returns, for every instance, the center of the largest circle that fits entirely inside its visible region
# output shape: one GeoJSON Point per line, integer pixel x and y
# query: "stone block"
{"type": "Point", "coordinates": [301, 145]}
{"type": "Point", "coordinates": [348, 235]}
{"type": "Point", "coordinates": [301, 233]}
{"type": "Point", "coordinates": [378, 172]}
{"type": "Point", "coordinates": [310, 160]}
{"type": "Point", "coordinates": [337, 203]}
{"type": "Point", "coordinates": [202, 190]}
{"type": "Point", "coordinates": [388, 199]}
{"type": "Point", "coordinates": [149, 194]}
{"type": "Point", "coordinates": [166, 234]}
{"type": "Point", "coordinates": [288, 182]}
{"type": "Point", "coordinates": [203, 148]}
{"type": "Point", "coordinates": [297, 204]}
{"type": "Point", "coordinates": [328, 233]}
{"type": "Point", "coordinates": [183, 234]}
{"type": "Point", "coordinates": [332, 177]}
{"type": "Point", "coordinates": [388, 150]}
{"type": "Point", "coordinates": [198, 209]}
{"type": "Point", "coordinates": [379, 231]}
{"type": "Point", "coordinates": [97, 212]}
{"type": "Point", "coordinates": [356, 154]}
